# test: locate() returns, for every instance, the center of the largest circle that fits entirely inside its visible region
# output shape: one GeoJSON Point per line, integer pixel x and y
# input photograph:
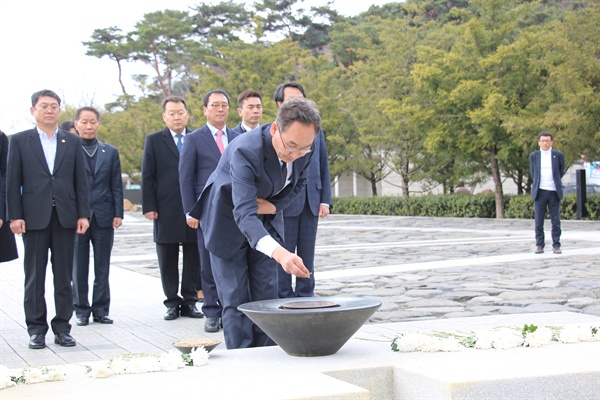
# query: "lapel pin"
{"type": "Point", "coordinates": [63, 140]}
{"type": "Point", "coordinates": [103, 151]}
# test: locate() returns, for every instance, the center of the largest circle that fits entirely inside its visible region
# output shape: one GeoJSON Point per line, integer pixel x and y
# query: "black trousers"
{"type": "Point", "coordinates": [60, 241]}
{"type": "Point", "coordinates": [547, 199]}
{"type": "Point", "coordinates": [168, 264]}
{"type": "Point", "coordinates": [102, 240]}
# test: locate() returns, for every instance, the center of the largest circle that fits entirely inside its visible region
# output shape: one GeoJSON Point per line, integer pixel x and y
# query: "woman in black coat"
{"type": "Point", "coordinates": [8, 246]}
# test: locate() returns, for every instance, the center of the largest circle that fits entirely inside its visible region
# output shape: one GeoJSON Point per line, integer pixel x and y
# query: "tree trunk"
{"type": "Point", "coordinates": [373, 186]}
{"type": "Point", "coordinates": [497, 185]}
{"type": "Point", "coordinates": [405, 178]}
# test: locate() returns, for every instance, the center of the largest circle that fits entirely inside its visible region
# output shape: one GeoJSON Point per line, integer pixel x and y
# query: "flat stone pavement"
{"type": "Point", "coordinates": [420, 268]}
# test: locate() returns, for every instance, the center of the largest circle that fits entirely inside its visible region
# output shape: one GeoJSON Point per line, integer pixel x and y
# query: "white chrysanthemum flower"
{"type": "Point", "coordinates": [413, 342]}
{"type": "Point", "coordinates": [199, 356]}
{"type": "Point", "coordinates": [33, 375]}
{"type": "Point", "coordinates": [441, 344]}
{"type": "Point", "coordinates": [5, 377]}
{"type": "Point", "coordinates": [507, 338]}
{"type": "Point", "coordinates": [5, 382]}
{"type": "Point", "coordinates": [140, 365]}
{"type": "Point", "coordinates": [500, 338]}
{"type": "Point", "coordinates": [118, 365]}
{"type": "Point", "coordinates": [541, 337]}
{"type": "Point", "coordinates": [171, 361]}
{"type": "Point", "coordinates": [55, 375]}
{"type": "Point", "coordinates": [576, 333]}
{"type": "Point", "coordinates": [102, 371]}
{"type": "Point", "coordinates": [484, 340]}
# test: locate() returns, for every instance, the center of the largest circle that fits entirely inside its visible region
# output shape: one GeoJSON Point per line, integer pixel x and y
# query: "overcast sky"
{"type": "Point", "coordinates": [40, 48]}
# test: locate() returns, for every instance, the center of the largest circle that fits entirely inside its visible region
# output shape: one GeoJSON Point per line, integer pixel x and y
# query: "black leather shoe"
{"type": "Point", "coordinates": [172, 313]}
{"type": "Point", "coordinates": [37, 341]}
{"type": "Point", "coordinates": [539, 250]}
{"type": "Point", "coordinates": [83, 321]}
{"type": "Point", "coordinates": [191, 311]}
{"type": "Point", "coordinates": [64, 340]}
{"type": "Point", "coordinates": [103, 320]}
{"type": "Point", "coordinates": [211, 324]}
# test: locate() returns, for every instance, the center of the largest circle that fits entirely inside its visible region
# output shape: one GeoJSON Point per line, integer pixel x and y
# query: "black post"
{"type": "Point", "coordinates": [581, 193]}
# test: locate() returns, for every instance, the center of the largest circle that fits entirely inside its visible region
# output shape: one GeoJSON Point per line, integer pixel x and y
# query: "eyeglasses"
{"type": "Point", "coordinates": [217, 106]}
{"type": "Point", "coordinates": [292, 149]}
{"type": "Point", "coordinates": [45, 107]}
{"type": "Point", "coordinates": [545, 140]}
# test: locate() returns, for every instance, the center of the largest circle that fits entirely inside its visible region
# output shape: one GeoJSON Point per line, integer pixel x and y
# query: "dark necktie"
{"type": "Point", "coordinates": [284, 172]}
{"type": "Point", "coordinates": [179, 141]}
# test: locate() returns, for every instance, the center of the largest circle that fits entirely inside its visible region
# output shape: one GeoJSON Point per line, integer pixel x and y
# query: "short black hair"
{"type": "Point", "coordinates": [246, 94]}
{"type": "Point", "coordinates": [45, 92]}
{"type": "Point", "coordinates": [207, 96]}
{"type": "Point", "coordinates": [279, 92]}
{"type": "Point", "coordinates": [67, 126]}
{"type": "Point", "coordinates": [82, 109]}
{"type": "Point", "coordinates": [173, 99]}
{"type": "Point", "coordinates": [544, 133]}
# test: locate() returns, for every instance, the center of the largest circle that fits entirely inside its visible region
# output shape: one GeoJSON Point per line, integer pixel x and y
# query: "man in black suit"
{"type": "Point", "coordinates": [199, 158]}
{"type": "Point", "coordinates": [547, 167]}
{"type": "Point", "coordinates": [250, 111]}
{"type": "Point", "coordinates": [103, 172]}
{"type": "Point", "coordinates": [48, 203]}
{"type": "Point", "coordinates": [161, 203]}
{"type": "Point", "coordinates": [8, 246]}
{"type": "Point", "coordinates": [258, 175]}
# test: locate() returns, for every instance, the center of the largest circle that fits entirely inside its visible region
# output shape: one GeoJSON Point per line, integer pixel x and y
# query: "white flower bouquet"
{"type": "Point", "coordinates": [497, 338]}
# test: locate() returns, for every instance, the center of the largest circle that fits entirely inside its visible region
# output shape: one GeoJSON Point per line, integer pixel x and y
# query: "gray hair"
{"type": "Point", "coordinates": [298, 109]}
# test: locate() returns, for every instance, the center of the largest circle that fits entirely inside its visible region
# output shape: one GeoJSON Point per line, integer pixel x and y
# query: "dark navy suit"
{"type": "Point", "coordinates": [239, 128]}
{"type": "Point", "coordinates": [106, 203]}
{"type": "Point", "coordinates": [228, 213]}
{"type": "Point", "coordinates": [301, 221]}
{"type": "Point", "coordinates": [547, 199]}
{"type": "Point", "coordinates": [199, 158]}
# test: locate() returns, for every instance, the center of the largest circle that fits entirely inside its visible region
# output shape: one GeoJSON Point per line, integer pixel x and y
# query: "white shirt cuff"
{"type": "Point", "coordinates": [267, 245]}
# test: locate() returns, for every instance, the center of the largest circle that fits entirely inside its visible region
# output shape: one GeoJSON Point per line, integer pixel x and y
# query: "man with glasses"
{"type": "Point", "coordinates": [48, 203]}
{"type": "Point", "coordinates": [259, 174]}
{"type": "Point", "coordinates": [547, 167]}
{"type": "Point", "coordinates": [199, 158]}
{"type": "Point", "coordinates": [301, 217]}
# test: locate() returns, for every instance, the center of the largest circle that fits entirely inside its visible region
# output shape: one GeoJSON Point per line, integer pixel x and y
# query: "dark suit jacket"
{"type": "Point", "coordinates": [160, 189]}
{"type": "Point", "coordinates": [239, 129]}
{"type": "Point", "coordinates": [28, 171]}
{"type": "Point", "coordinates": [199, 158]}
{"type": "Point", "coordinates": [249, 168]}
{"type": "Point", "coordinates": [558, 171]}
{"type": "Point", "coordinates": [318, 186]}
{"type": "Point", "coordinates": [3, 158]}
{"type": "Point", "coordinates": [106, 185]}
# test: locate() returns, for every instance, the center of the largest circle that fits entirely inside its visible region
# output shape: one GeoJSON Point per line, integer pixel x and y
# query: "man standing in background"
{"type": "Point", "coordinates": [547, 167]}
{"type": "Point", "coordinates": [199, 158]}
{"type": "Point", "coordinates": [302, 215]}
{"type": "Point", "coordinates": [250, 111]}
{"type": "Point", "coordinates": [105, 186]}
{"type": "Point", "coordinates": [161, 203]}
{"type": "Point", "coordinates": [48, 203]}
